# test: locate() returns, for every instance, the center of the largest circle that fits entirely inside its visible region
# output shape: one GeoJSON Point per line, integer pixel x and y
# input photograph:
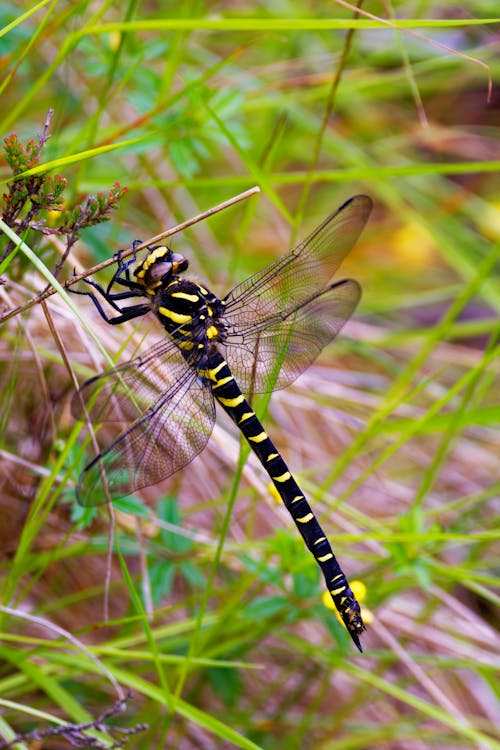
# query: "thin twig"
{"type": "Point", "coordinates": [44, 136]}
{"type": "Point", "coordinates": [167, 233]}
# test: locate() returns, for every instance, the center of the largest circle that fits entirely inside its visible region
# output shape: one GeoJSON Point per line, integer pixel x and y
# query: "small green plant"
{"type": "Point", "coordinates": [34, 204]}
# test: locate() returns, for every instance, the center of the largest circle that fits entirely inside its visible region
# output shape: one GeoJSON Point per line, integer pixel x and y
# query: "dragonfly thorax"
{"type": "Point", "coordinates": [190, 314]}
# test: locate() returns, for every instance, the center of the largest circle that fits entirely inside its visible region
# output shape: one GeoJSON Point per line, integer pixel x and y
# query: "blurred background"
{"type": "Point", "coordinates": [222, 635]}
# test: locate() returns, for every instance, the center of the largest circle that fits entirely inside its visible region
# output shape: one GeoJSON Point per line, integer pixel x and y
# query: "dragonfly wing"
{"type": "Point", "coordinates": [160, 442]}
{"type": "Point", "coordinates": [157, 415]}
{"type": "Point", "coordinates": [294, 342]}
{"type": "Point", "coordinates": [294, 279]}
{"type": "Point", "coordinates": [126, 392]}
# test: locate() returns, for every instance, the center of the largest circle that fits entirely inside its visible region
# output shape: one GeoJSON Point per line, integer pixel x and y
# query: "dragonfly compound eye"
{"type": "Point", "coordinates": [160, 271]}
{"type": "Point", "coordinates": [180, 263]}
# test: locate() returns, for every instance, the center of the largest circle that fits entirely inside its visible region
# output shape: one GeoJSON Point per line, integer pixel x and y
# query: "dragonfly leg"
{"type": "Point", "coordinates": [121, 277]}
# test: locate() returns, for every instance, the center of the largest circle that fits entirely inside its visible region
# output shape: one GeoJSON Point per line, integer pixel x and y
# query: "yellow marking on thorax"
{"type": "Point", "coordinates": [152, 289]}
{"type": "Point", "coordinates": [186, 345]}
{"type": "Point", "coordinates": [212, 332]}
{"type": "Point", "coordinates": [186, 296]}
{"type": "Point", "coordinates": [231, 402]}
{"type": "Point", "coordinates": [173, 316]}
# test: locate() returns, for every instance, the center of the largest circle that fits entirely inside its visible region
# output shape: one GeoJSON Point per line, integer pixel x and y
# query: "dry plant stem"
{"type": "Point", "coordinates": [426, 683]}
{"type": "Point", "coordinates": [109, 556]}
{"type": "Point", "coordinates": [125, 254]}
{"type": "Point", "coordinates": [145, 579]}
{"type": "Point", "coordinates": [52, 627]}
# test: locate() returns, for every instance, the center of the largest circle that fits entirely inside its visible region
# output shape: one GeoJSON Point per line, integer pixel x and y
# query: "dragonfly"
{"type": "Point", "coordinates": [262, 335]}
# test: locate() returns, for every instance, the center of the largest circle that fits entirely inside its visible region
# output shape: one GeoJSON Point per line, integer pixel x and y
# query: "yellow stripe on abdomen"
{"type": "Point", "coordinates": [283, 478]}
{"type": "Point", "coordinates": [231, 402]}
{"type": "Point", "coordinates": [258, 438]}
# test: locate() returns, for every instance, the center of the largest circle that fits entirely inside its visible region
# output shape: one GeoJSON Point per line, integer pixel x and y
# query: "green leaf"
{"type": "Point", "coordinates": [226, 683]}
{"type": "Point", "coordinates": [133, 505]}
{"type": "Point", "coordinates": [265, 607]}
{"type": "Point", "coordinates": [161, 576]}
{"type": "Point", "coordinates": [305, 584]}
{"type": "Point", "coordinates": [167, 510]}
{"type": "Point", "coordinates": [192, 574]}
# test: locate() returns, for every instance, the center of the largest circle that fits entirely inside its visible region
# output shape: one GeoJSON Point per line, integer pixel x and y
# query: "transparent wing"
{"type": "Point", "coordinates": [294, 342]}
{"type": "Point", "coordinates": [166, 427]}
{"type": "Point", "coordinates": [272, 294]}
{"type": "Point", "coordinates": [124, 393]}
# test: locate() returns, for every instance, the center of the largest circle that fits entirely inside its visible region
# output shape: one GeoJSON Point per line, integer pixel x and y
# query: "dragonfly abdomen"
{"type": "Point", "coordinates": [228, 394]}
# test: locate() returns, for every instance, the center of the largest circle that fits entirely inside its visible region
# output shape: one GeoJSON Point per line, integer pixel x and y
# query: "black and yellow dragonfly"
{"type": "Point", "coordinates": [262, 335]}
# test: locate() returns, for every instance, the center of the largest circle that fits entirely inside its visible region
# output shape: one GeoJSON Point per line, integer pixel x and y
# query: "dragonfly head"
{"type": "Point", "coordinates": [158, 267]}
